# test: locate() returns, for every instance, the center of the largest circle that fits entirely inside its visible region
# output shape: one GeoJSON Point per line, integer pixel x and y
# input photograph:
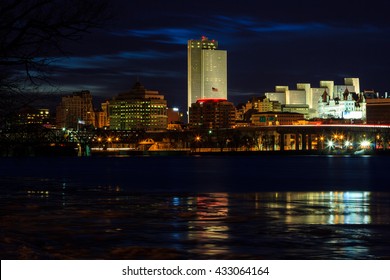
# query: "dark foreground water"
{"type": "Point", "coordinates": [207, 207]}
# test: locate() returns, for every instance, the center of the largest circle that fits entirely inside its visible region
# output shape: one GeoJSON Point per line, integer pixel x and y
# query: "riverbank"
{"type": "Point", "coordinates": [208, 152]}
{"type": "Point", "coordinates": [74, 150]}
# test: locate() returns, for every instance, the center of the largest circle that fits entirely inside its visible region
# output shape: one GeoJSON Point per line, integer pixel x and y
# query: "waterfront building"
{"type": "Point", "coordinates": [273, 118]}
{"type": "Point", "coordinates": [138, 108]}
{"type": "Point", "coordinates": [207, 70]}
{"type": "Point", "coordinates": [278, 95]}
{"type": "Point", "coordinates": [75, 110]}
{"type": "Point", "coordinates": [264, 104]}
{"type": "Point", "coordinates": [212, 114]}
{"type": "Point", "coordinates": [297, 108]}
{"type": "Point", "coordinates": [378, 110]}
{"type": "Point", "coordinates": [350, 105]}
{"type": "Point", "coordinates": [255, 105]}
{"type": "Point", "coordinates": [337, 103]}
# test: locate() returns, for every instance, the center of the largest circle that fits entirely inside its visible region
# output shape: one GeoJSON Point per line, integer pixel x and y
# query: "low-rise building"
{"type": "Point", "coordinates": [30, 115]}
{"type": "Point", "coordinates": [297, 108]}
{"type": "Point", "coordinates": [378, 110]}
{"type": "Point", "coordinates": [212, 114]}
{"type": "Point", "coordinates": [275, 118]}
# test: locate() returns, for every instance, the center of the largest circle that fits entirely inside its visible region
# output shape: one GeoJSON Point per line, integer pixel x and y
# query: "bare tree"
{"type": "Point", "coordinates": [32, 32]}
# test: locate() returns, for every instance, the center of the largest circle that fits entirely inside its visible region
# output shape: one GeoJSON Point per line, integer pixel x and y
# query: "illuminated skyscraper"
{"type": "Point", "coordinates": [138, 108]}
{"type": "Point", "coordinates": [207, 71]}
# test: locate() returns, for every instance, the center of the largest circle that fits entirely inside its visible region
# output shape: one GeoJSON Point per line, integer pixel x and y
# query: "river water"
{"type": "Point", "coordinates": [195, 207]}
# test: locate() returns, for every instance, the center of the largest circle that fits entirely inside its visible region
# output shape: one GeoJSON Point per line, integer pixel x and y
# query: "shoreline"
{"type": "Point", "coordinates": [237, 153]}
{"type": "Point", "coordinates": [73, 151]}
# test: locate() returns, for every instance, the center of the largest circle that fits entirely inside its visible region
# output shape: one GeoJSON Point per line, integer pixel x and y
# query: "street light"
{"type": "Point", "coordinates": [330, 144]}
{"type": "Point", "coordinates": [197, 139]}
{"type": "Point", "coordinates": [109, 140]}
{"type": "Point", "coordinates": [365, 144]}
{"type": "Point", "coordinates": [99, 142]}
{"type": "Point", "coordinates": [322, 142]}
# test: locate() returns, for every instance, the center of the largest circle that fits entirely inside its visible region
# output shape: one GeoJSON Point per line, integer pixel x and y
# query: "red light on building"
{"type": "Point", "coordinates": [215, 100]}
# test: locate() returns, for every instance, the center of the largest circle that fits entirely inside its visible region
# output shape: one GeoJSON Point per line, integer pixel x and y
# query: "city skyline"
{"type": "Point", "coordinates": [267, 45]}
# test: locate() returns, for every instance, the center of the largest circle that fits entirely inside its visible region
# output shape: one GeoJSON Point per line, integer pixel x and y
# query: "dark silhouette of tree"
{"type": "Point", "coordinates": [33, 33]}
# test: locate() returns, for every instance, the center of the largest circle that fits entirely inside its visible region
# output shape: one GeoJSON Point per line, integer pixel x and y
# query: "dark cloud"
{"type": "Point", "coordinates": [268, 43]}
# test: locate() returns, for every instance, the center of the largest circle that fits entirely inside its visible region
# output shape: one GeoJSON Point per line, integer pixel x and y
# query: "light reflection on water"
{"type": "Point", "coordinates": [109, 222]}
{"type": "Point", "coordinates": [325, 207]}
{"type": "Point", "coordinates": [209, 227]}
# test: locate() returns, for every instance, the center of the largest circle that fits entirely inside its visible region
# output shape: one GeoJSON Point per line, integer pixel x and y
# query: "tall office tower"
{"type": "Point", "coordinates": [207, 71]}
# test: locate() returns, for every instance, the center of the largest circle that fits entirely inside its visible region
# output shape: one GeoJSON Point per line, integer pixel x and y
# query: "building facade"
{"type": "Point", "coordinates": [207, 70]}
{"type": "Point", "coordinates": [102, 117]}
{"type": "Point", "coordinates": [29, 115]}
{"type": "Point", "coordinates": [138, 109]}
{"type": "Point", "coordinates": [337, 104]}
{"type": "Point", "coordinates": [378, 110]}
{"type": "Point", "coordinates": [348, 105]}
{"type": "Point", "coordinates": [297, 108]}
{"type": "Point", "coordinates": [212, 114]}
{"type": "Point", "coordinates": [272, 118]}
{"type": "Point", "coordinates": [75, 110]}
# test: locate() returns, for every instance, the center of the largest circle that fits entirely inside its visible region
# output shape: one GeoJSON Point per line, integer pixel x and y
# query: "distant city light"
{"type": "Point", "coordinates": [175, 109]}
{"type": "Point", "coordinates": [365, 144]}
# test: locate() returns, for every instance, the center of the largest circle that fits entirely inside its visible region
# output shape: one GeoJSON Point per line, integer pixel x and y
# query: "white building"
{"type": "Point", "coordinates": [278, 95]}
{"type": "Point", "coordinates": [353, 82]}
{"type": "Point", "coordinates": [342, 101]}
{"type": "Point", "coordinates": [349, 105]}
{"type": "Point", "coordinates": [329, 86]}
{"type": "Point", "coordinates": [296, 97]}
{"type": "Point", "coordinates": [207, 70]}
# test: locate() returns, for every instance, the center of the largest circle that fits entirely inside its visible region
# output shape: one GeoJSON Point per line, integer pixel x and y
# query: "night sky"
{"type": "Point", "coordinates": [268, 42]}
